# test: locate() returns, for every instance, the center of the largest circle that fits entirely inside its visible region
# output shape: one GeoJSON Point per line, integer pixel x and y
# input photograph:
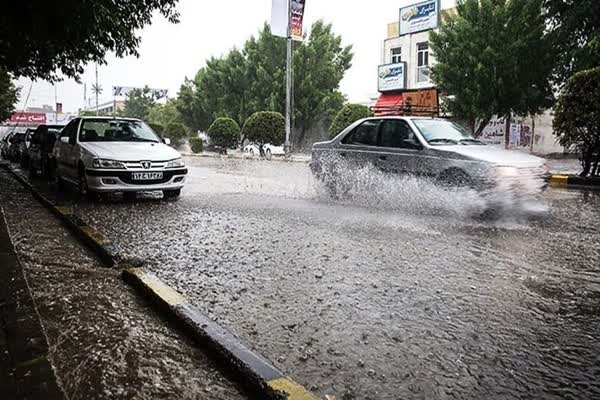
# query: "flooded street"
{"type": "Point", "coordinates": [396, 292]}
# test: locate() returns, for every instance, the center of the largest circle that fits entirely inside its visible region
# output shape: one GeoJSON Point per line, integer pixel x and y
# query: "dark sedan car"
{"type": "Point", "coordinates": [4, 144]}
{"type": "Point", "coordinates": [14, 147]}
{"type": "Point", "coordinates": [41, 159]}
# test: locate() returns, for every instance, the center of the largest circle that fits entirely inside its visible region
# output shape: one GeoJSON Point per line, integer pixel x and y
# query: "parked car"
{"type": "Point", "coordinates": [429, 147]}
{"type": "Point", "coordinates": [24, 148]}
{"type": "Point", "coordinates": [41, 158]}
{"type": "Point", "coordinates": [14, 147]}
{"type": "Point", "coordinates": [4, 145]}
{"type": "Point", "coordinates": [107, 154]}
{"type": "Point", "coordinates": [270, 150]}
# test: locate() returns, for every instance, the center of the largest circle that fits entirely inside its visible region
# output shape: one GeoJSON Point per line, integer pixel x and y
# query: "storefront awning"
{"type": "Point", "coordinates": [388, 104]}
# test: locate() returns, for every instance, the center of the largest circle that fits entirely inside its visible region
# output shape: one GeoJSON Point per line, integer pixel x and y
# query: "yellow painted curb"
{"type": "Point", "coordinates": [559, 179]}
{"type": "Point", "coordinates": [159, 288]}
{"type": "Point", "coordinates": [293, 390]}
{"type": "Point", "coordinates": [94, 234]}
{"type": "Point", "coordinates": [64, 210]}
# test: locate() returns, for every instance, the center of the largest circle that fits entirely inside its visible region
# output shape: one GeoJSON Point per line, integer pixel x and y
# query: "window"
{"type": "Point", "coordinates": [396, 55]}
{"type": "Point", "coordinates": [70, 131]}
{"type": "Point", "coordinates": [422, 62]}
{"type": "Point", "coordinates": [397, 134]}
{"type": "Point", "coordinates": [116, 130]}
{"type": "Point", "coordinates": [364, 134]}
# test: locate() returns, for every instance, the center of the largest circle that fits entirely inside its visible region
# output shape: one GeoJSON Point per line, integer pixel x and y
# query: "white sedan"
{"type": "Point", "coordinates": [270, 150]}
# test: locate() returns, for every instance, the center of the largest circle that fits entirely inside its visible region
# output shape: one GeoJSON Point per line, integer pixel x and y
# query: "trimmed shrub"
{"type": "Point", "coordinates": [224, 133]}
{"type": "Point", "coordinates": [265, 127]}
{"type": "Point", "coordinates": [349, 114]}
{"type": "Point", "coordinates": [577, 119]}
{"type": "Point", "coordinates": [176, 132]}
{"type": "Point", "coordinates": [197, 145]}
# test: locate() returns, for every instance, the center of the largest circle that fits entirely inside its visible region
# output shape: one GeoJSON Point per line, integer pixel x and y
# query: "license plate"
{"type": "Point", "coordinates": [146, 176]}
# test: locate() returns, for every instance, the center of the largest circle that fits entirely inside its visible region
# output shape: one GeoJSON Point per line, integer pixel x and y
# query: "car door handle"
{"type": "Point", "coordinates": [383, 158]}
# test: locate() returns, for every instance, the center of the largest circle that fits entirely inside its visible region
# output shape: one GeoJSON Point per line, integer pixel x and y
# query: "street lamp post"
{"type": "Point", "coordinates": [288, 80]}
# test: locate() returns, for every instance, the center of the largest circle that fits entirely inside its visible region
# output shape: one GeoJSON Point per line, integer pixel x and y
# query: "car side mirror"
{"type": "Point", "coordinates": [64, 139]}
{"type": "Point", "coordinates": [167, 141]}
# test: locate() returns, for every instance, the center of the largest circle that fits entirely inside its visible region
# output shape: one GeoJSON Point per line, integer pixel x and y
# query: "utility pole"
{"type": "Point", "coordinates": [288, 80]}
{"type": "Point", "coordinates": [97, 89]}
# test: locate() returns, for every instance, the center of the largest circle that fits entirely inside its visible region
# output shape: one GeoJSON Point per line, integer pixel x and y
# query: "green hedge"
{"type": "Point", "coordinates": [349, 114]}
{"type": "Point", "coordinates": [265, 127]}
{"type": "Point", "coordinates": [197, 145]}
{"type": "Point", "coordinates": [224, 133]}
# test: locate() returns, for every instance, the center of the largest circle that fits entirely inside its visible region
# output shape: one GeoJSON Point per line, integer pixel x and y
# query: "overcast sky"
{"type": "Point", "coordinates": [169, 53]}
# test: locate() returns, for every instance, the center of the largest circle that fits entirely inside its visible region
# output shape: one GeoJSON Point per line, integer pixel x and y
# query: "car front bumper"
{"type": "Point", "coordinates": [121, 181]}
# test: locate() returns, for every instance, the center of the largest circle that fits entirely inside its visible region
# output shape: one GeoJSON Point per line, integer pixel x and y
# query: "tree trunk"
{"type": "Point", "coordinates": [586, 161]}
{"type": "Point", "coordinates": [479, 128]}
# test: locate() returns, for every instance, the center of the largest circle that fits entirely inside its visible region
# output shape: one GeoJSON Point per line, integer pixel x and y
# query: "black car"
{"type": "Point", "coordinates": [14, 147]}
{"type": "Point", "coordinates": [4, 144]}
{"type": "Point", "coordinates": [41, 159]}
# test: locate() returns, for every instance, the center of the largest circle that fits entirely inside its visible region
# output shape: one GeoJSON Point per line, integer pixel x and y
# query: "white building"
{"type": "Point", "coordinates": [404, 79]}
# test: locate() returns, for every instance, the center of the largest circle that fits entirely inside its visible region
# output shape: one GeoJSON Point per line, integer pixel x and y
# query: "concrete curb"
{"type": "Point", "coordinates": [255, 371]}
{"type": "Point", "coordinates": [575, 181]}
{"type": "Point", "coordinates": [258, 373]}
{"type": "Point", "coordinates": [236, 157]}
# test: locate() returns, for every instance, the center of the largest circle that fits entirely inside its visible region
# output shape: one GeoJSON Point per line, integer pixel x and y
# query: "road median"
{"type": "Point", "coordinates": [575, 181]}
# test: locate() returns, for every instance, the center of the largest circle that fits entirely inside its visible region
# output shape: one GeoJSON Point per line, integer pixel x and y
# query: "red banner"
{"type": "Point", "coordinates": [28, 118]}
{"type": "Point", "coordinates": [297, 17]}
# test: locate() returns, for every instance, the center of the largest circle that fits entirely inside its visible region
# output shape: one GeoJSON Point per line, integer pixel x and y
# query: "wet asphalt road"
{"type": "Point", "coordinates": [397, 293]}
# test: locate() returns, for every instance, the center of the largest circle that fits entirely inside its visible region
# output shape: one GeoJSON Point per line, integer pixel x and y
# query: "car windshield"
{"type": "Point", "coordinates": [116, 130]}
{"type": "Point", "coordinates": [440, 132]}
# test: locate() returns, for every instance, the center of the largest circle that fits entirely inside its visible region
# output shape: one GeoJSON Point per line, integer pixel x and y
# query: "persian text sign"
{"type": "Point", "coordinates": [392, 77]}
{"type": "Point", "coordinates": [28, 118]}
{"type": "Point", "coordinates": [419, 17]}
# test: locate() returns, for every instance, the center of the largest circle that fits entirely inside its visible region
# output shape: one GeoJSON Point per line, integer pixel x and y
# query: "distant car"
{"type": "Point", "coordinates": [270, 150]}
{"type": "Point", "coordinates": [14, 147]}
{"type": "Point", "coordinates": [427, 147]}
{"type": "Point", "coordinates": [41, 158]}
{"type": "Point", "coordinates": [4, 145]}
{"type": "Point", "coordinates": [108, 154]}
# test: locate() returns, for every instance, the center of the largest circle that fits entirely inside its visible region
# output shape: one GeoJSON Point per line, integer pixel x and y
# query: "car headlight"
{"type": "Point", "coordinates": [177, 163]}
{"type": "Point", "coordinates": [108, 164]}
{"type": "Point", "coordinates": [504, 172]}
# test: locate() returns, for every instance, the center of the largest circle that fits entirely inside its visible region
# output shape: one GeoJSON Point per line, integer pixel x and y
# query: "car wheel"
{"type": "Point", "coordinates": [59, 180]}
{"type": "Point", "coordinates": [268, 154]}
{"type": "Point", "coordinates": [83, 188]}
{"type": "Point", "coordinates": [251, 151]}
{"type": "Point", "coordinates": [172, 194]}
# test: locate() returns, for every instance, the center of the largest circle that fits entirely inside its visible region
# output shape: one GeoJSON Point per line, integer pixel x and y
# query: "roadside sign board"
{"type": "Point", "coordinates": [392, 77]}
{"type": "Point", "coordinates": [419, 17]}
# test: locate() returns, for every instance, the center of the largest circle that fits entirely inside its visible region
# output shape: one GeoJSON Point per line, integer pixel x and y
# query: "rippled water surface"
{"type": "Point", "coordinates": [393, 292]}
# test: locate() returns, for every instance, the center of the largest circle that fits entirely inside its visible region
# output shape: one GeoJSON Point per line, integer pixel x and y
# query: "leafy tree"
{"type": "Point", "coordinates": [8, 95]}
{"type": "Point", "coordinates": [176, 132]}
{"type": "Point", "coordinates": [319, 66]}
{"type": "Point", "coordinates": [253, 79]}
{"type": "Point", "coordinates": [575, 35]}
{"type": "Point", "coordinates": [164, 114]}
{"type": "Point", "coordinates": [138, 104]}
{"type": "Point", "coordinates": [484, 59]}
{"type": "Point", "coordinates": [224, 133]}
{"type": "Point", "coordinates": [157, 128]}
{"type": "Point", "coordinates": [349, 114]}
{"type": "Point", "coordinates": [197, 145]}
{"type": "Point", "coordinates": [39, 37]}
{"type": "Point", "coordinates": [265, 127]}
{"type": "Point", "coordinates": [577, 118]}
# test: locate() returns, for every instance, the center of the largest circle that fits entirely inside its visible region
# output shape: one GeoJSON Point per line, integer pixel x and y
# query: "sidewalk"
{"type": "Point", "coordinates": [25, 368]}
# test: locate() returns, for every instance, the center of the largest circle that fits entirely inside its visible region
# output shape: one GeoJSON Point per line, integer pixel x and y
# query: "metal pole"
{"type": "Point", "coordinates": [97, 89]}
{"type": "Point", "coordinates": [288, 80]}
